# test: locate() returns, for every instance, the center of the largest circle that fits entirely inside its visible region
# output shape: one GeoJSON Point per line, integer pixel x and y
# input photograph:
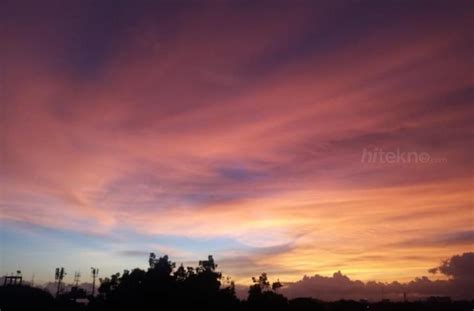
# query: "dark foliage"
{"type": "Point", "coordinates": [163, 286]}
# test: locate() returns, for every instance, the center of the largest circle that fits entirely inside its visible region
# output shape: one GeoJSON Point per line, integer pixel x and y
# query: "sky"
{"type": "Point", "coordinates": [288, 137]}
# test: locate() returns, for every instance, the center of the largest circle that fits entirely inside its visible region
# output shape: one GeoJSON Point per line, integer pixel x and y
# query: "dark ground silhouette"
{"type": "Point", "coordinates": [164, 286]}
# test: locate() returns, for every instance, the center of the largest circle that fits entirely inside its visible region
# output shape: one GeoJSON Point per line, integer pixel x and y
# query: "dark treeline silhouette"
{"type": "Point", "coordinates": [165, 286]}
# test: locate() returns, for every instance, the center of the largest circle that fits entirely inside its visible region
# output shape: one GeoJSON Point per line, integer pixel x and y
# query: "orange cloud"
{"type": "Point", "coordinates": [252, 132]}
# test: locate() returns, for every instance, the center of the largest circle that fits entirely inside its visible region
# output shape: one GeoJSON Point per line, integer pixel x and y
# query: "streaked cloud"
{"type": "Point", "coordinates": [244, 126]}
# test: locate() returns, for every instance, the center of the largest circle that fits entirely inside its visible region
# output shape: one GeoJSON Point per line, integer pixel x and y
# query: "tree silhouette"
{"type": "Point", "coordinates": [262, 295]}
{"type": "Point", "coordinates": [163, 286]}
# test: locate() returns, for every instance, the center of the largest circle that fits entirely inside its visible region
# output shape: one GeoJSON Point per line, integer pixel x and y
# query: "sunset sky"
{"type": "Point", "coordinates": [266, 133]}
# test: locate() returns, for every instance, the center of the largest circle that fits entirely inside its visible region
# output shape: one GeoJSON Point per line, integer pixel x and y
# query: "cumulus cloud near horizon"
{"type": "Point", "coordinates": [458, 269]}
{"type": "Point", "coordinates": [459, 283]}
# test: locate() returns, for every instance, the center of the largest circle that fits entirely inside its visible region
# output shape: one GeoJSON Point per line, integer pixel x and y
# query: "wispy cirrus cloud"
{"type": "Point", "coordinates": [219, 121]}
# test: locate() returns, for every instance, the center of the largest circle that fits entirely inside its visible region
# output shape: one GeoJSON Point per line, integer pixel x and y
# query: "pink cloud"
{"type": "Point", "coordinates": [193, 135]}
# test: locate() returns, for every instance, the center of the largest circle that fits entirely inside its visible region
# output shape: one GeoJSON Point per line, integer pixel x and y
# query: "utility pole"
{"type": "Point", "coordinates": [77, 276]}
{"type": "Point", "coordinates": [95, 273]}
{"type": "Point", "coordinates": [59, 276]}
